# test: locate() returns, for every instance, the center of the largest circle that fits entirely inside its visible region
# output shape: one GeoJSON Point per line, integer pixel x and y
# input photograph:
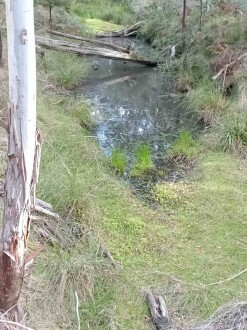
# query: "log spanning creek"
{"type": "Point", "coordinates": [135, 105]}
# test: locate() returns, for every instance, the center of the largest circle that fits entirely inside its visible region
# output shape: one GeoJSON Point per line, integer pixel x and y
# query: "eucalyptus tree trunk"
{"type": "Point", "coordinates": [23, 149]}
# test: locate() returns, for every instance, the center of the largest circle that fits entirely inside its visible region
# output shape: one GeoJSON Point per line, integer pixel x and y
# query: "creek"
{"type": "Point", "coordinates": [133, 104]}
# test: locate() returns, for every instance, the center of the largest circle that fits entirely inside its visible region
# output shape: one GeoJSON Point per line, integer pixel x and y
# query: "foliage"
{"type": "Point", "coordinates": [118, 160]}
{"type": "Point", "coordinates": [143, 160]}
{"type": "Point", "coordinates": [65, 69]}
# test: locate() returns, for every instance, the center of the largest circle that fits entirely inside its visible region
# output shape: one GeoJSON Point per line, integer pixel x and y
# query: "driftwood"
{"type": "Point", "coordinates": [158, 311]}
{"type": "Point", "coordinates": [93, 51]}
{"type": "Point", "coordinates": [91, 41]}
{"type": "Point", "coordinates": [128, 31]}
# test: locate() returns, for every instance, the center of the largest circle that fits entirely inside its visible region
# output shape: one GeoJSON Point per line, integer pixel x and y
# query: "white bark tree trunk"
{"type": "Point", "coordinates": [23, 159]}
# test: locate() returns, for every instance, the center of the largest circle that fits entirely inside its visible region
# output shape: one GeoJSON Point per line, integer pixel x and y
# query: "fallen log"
{"type": "Point", "coordinates": [158, 311]}
{"type": "Point", "coordinates": [90, 41]}
{"type": "Point", "coordinates": [128, 31]}
{"type": "Point", "coordinates": [93, 51]}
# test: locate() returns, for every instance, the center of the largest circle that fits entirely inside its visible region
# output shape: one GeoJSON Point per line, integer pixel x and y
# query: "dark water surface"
{"type": "Point", "coordinates": [134, 104]}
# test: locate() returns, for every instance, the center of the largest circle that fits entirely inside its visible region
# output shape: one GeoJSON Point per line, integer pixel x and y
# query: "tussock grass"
{"type": "Point", "coordinates": [143, 160]}
{"type": "Point", "coordinates": [208, 102]}
{"type": "Point", "coordinates": [65, 69]}
{"type": "Point", "coordinates": [118, 160]}
{"type": "Point", "coordinates": [184, 148]}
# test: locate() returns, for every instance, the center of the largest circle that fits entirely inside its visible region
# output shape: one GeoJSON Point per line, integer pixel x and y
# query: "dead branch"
{"type": "Point", "coordinates": [15, 324]}
{"type": "Point", "coordinates": [91, 41]}
{"type": "Point", "coordinates": [45, 211]}
{"type": "Point", "coordinates": [224, 70]}
{"type": "Point", "coordinates": [128, 31]}
{"type": "Point", "coordinates": [93, 51]}
{"type": "Point", "coordinates": [228, 279]}
{"type": "Point", "coordinates": [158, 311]}
{"type": "Point", "coordinates": [77, 311]}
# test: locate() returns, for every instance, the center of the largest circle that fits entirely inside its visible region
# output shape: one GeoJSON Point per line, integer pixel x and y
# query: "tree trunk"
{"type": "Point", "coordinates": [22, 169]}
{"type": "Point", "coordinates": [184, 24]}
{"type": "Point", "coordinates": [90, 41]}
{"type": "Point", "coordinates": [1, 49]}
{"type": "Point", "coordinates": [201, 14]}
{"type": "Point", "coordinates": [50, 16]}
{"type": "Point", "coordinates": [93, 51]}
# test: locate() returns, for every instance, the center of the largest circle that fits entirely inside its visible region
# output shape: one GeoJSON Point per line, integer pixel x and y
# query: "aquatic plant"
{"type": "Point", "coordinates": [118, 160]}
{"type": "Point", "coordinates": [143, 160]}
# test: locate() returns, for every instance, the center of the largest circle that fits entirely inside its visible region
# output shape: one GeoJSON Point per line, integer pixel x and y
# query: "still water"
{"type": "Point", "coordinates": [133, 104]}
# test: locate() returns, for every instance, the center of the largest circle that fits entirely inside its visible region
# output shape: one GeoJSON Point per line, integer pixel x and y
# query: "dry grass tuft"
{"type": "Point", "coordinates": [232, 317]}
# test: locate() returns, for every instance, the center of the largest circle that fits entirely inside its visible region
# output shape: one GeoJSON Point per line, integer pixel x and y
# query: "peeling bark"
{"type": "Point", "coordinates": [22, 149]}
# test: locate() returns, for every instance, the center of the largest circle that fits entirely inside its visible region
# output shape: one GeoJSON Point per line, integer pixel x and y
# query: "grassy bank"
{"type": "Point", "coordinates": [194, 238]}
{"type": "Point", "coordinates": [197, 238]}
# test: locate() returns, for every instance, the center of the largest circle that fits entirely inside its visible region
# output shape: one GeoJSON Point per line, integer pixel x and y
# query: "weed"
{"type": "Point", "coordinates": [118, 160]}
{"type": "Point", "coordinates": [65, 69]}
{"type": "Point", "coordinates": [143, 161]}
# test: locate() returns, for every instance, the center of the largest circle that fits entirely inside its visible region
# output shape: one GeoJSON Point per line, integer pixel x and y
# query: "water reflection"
{"type": "Point", "coordinates": [134, 104]}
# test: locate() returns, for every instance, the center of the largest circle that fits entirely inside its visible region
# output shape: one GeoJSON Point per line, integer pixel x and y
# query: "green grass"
{"type": "Point", "coordinates": [65, 69]}
{"type": "Point", "coordinates": [143, 161]}
{"type": "Point", "coordinates": [200, 240]}
{"type": "Point", "coordinates": [104, 10]}
{"type": "Point", "coordinates": [97, 25]}
{"type": "Point", "coordinates": [118, 160]}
